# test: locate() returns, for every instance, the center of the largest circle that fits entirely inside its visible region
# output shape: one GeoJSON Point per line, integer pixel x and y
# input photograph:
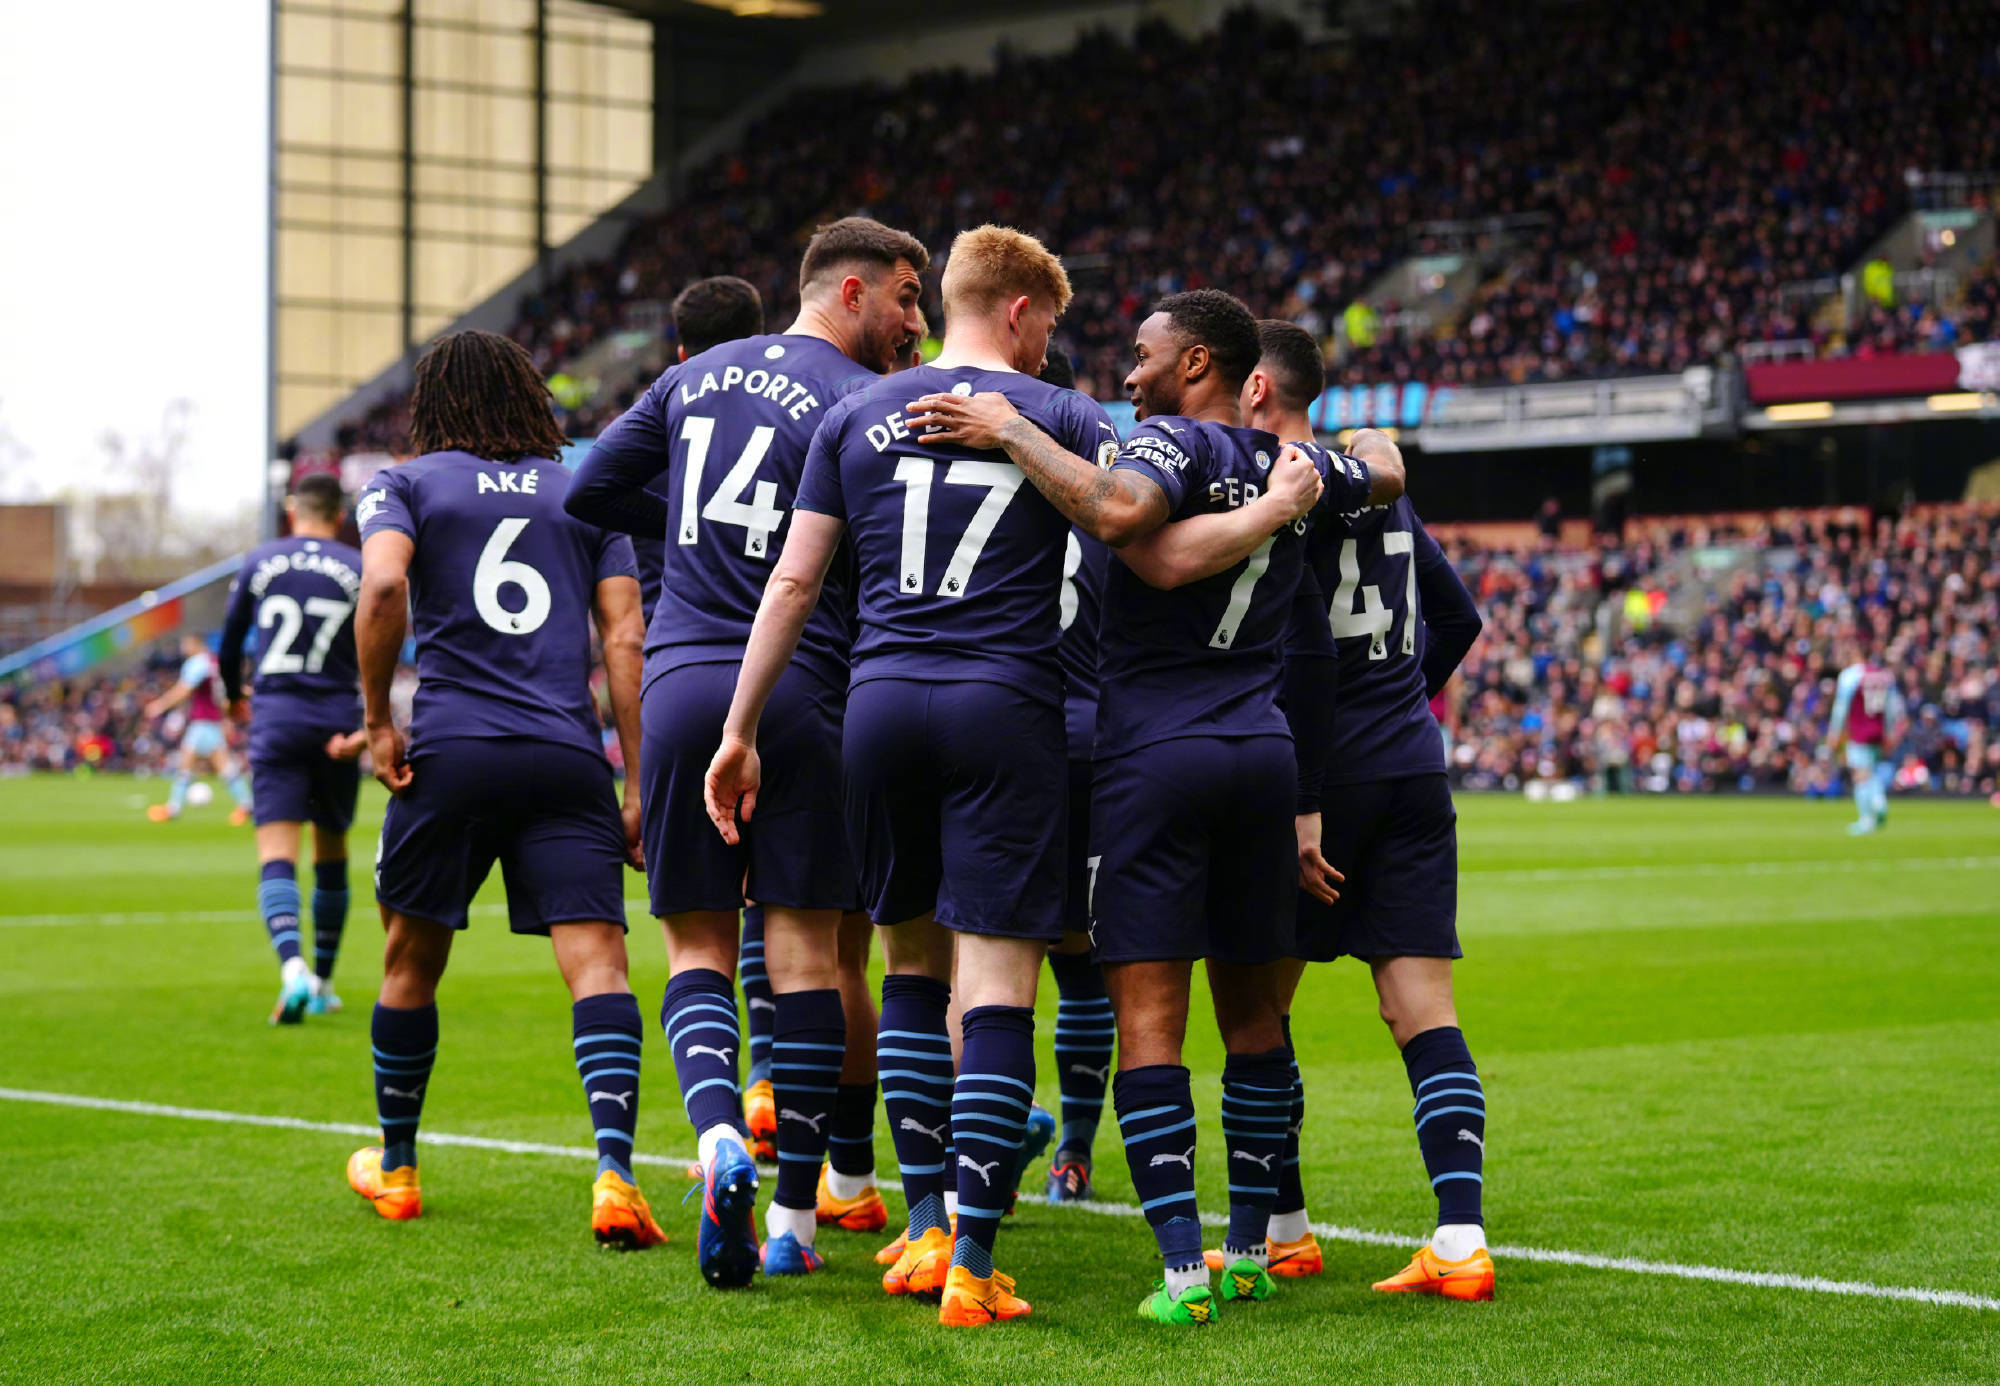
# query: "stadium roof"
{"type": "Point", "coordinates": [825, 21]}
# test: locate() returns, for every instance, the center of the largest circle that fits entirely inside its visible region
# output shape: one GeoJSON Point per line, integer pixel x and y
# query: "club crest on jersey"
{"type": "Point", "coordinates": [1263, 460]}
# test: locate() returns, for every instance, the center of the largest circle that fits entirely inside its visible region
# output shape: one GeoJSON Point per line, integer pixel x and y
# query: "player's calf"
{"type": "Point", "coordinates": [1156, 1116]}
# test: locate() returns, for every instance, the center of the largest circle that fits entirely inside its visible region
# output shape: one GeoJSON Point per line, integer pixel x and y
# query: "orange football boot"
{"type": "Point", "coordinates": [1429, 1274]}
{"type": "Point", "coordinates": [619, 1215]}
{"type": "Point", "coordinates": [393, 1192]}
{"type": "Point", "coordinates": [1293, 1260]}
{"type": "Point", "coordinates": [238, 816]}
{"type": "Point", "coordinates": [161, 813]}
{"type": "Point", "coordinates": [970, 1302]}
{"type": "Point", "coordinates": [760, 1114]}
{"type": "Point", "coordinates": [889, 1254]}
{"type": "Point", "coordinates": [921, 1269]}
{"type": "Point", "coordinates": [862, 1213]}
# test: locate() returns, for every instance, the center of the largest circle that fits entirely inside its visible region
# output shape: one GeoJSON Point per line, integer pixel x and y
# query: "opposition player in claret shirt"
{"type": "Point", "coordinates": [1195, 778]}
{"type": "Point", "coordinates": [299, 592]}
{"type": "Point", "coordinates": [1869, 717]}
{"type": "Point", "coordinates": [505, 758]}
{"type": "Point", "coordinates": [954, 742]}
{"type": "Point", "coordinates": [1395, 624]}
{"type": "Point", "coordinates": [204, 738]}
{"type": "Point", "coordinates": [730, 429]}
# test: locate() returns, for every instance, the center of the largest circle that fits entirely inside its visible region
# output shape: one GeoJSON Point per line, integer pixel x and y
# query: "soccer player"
{"type": "Point", "coordinates": [707, 313]}
{"type": "Point", "coordinates": [1085, 1030]}
{"type": "Point", "coordinates": [1195, 778]}
{"type": "Point", "coordinates": [730, 429]}
{"type": "Point", "coordinates": [203, 739]}
{"type": "Point", "coordinates": [953, 744]}
{"type": "Point", "coordinates": [1868, 718]}
{"type": "Point", "coordinates": [505, 757]}
{"type": "Point", "coordinates": [1396, 625]}
{"type": "Point", "coordinates": [300, 592]}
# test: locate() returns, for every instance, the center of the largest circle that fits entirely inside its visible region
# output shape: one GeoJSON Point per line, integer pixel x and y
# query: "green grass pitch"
{"type": "Point", "coordinates": [1714, 1033]}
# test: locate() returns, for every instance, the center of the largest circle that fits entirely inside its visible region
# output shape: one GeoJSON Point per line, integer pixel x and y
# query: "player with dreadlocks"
{"type": "Point", "coordinates": [504, 760]}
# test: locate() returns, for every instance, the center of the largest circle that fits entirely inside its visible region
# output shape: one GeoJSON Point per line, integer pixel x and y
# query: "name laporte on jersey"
{"type": "Point", "coordinates": [794, 398]}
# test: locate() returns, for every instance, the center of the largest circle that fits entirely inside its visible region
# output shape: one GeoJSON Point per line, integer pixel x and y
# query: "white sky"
{"type": "Point", "coordinates": [132, 239]}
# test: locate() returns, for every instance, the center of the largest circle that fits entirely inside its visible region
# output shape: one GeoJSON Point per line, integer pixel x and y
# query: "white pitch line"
{"type": "Point", "coordinates": [1773, 1280]}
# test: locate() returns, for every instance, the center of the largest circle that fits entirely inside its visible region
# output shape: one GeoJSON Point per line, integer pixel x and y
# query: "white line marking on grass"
{"type": "Point", "coordinates": [1774, 1280]}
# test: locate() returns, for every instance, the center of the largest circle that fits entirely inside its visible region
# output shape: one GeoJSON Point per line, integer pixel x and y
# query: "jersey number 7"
{"type": "Point", "coordinates": [1371, 618]}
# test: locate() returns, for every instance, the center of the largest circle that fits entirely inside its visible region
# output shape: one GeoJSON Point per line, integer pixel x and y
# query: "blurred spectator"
{"type": "Point", "coordinates": [1624, 667]}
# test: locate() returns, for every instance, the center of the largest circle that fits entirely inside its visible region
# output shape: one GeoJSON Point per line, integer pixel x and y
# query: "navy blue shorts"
{"type": "Point", "coordinates": [794, 849]}
{"type": "Point", "coordinates": [1396, 841]}
{"type": "Point", "coordinates": [1077, 858]}
{"type": "Point", "coordinates": [1195, 851]}
{"type": "Point", "coordinates": [294, 780]}
{"type": "Point", "coordinates": [543, 810]}
{"type": "Point", "coordinates": [955, 803]}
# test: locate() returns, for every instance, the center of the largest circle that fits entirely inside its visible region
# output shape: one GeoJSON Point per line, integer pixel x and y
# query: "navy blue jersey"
{"type": "Point", "coordinates": [502, 587]}
{"type": "Point", "coordinates": [1084, 561]}
{"type": "Point", "coordinates": [959, 558]}
{"type": "Point", "coordinates": [299, 595]}
{"type": "Point", "coordinates": [1373, 564]}
{"type": "Point", "coordinates": [1205, 659]}
{"type": "Point", "coordinates": [725, 433]}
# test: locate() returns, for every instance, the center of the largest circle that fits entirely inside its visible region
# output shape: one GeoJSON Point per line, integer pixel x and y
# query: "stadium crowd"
{"type": "Point", "coordinates": [1618, 667]}
{"type": "Point", "coordinates": [1625, 668]}
{"type": "Point", "coordinates": [1674, 169]}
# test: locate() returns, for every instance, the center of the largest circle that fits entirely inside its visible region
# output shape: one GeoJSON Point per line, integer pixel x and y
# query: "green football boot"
{"type": "Point", "coordinates": [1245, 1279]}
{"type": "Point", "coordinates": [1193, 1306]}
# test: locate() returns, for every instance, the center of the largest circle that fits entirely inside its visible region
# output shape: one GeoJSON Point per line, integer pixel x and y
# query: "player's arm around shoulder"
{"type": "Point", "coordinates": [1114, 509]}
{"type": "Point", "coordinates": [1201, 546]}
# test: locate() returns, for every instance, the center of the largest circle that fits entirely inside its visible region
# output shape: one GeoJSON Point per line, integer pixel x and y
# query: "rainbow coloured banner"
{"type": "Point", "coordinates": [134, 625]}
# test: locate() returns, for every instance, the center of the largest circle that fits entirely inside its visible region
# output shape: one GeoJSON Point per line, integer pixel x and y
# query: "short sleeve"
{"type": "Point", "coordinates": [819, 480]}
{"type": "Point", "coordinates": [195, 670]}
{"type": "Point", "coordinates": [615, 557]}
{"type": "Point", "coordinates": [1348, 483]}
{"type": "Point", "coordinates": [385, 505]}
{"type": "Point", "coordinates": [1090, 430]}
{"type": "Point", "coordinates": [1156, 452]}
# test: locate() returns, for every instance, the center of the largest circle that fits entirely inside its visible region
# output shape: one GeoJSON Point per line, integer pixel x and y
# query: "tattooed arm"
{"type": "Point", "coordinates": [1114, 507]}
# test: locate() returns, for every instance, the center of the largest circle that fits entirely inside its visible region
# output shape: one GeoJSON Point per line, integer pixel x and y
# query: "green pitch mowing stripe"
{"type": "Point", "coordinates": [1777, 1280]}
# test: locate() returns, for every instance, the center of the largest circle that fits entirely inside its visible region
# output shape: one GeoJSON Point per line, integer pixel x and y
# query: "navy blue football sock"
{"type": "Point", "coordinates": [989, 1115]}
{"type": "Point", "coordinates": [1256, 1110]}
{"type": "Point", "coordinates": [278, 901]}
{"type": "Point", "coordinates": [851, 1147]}
{"type": "Point", "coordinates": [1156, 1117]}
{"type": "Point", "coordinates": [405, 1047]}
{"type": "Point", "coordinates": [1085, 1031]}
{"type": "Point", "coordinates": [759, 1006]}
{"type": "Point", "coordinates": [914, 1049]}
{"type": "Point", "coordinates": [808, 1041]}
{"type": "Point", "coordinates": [699, 1019]}
{"type": "Point", "coordinates": [1451, 1120]}
{"type": "Point", "coordinates": [329, 904]}
{"type": "Point", "coordinates": [609, 1034]}
{"type": "Point", "coordinates": [1291, 1189]}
